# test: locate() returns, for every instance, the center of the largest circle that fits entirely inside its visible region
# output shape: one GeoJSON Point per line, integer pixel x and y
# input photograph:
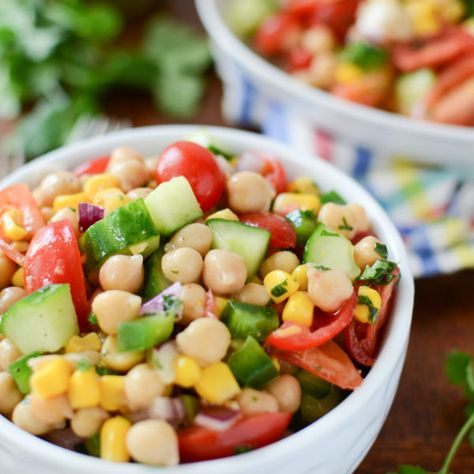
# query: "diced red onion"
{"type": "Point", "coordinates": [89, 214]}
{"type": "Point", "coordinates": [157, 304]}
{"type": "Point", "coordinates": [216, 418]}
{"type": "Point", "coordinates": [66, 438]}
{"type": "Point", "coordinates": [167, 408]}
{"type": "Point", "coordinates": [249, 161]}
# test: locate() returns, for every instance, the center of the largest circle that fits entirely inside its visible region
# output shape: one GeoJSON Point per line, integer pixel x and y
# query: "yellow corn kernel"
{"type": "Point", "coordinates": [217, 384]}
{"type": "Point", "coordinates": [299, 309]}
{"type": "Point", "coordinates": [89, 342]}
{"type": "Point", "coordinates": [11, 228]}
{"type": "Point", "coordinates": [368, 305]}
{"type": "Point", "coordinates": [288, 332]}
{"type": "Point", "coordinates": [276, 363]}
{"type": "Point", "coordinates": [110, 199]}
{"type": "Point", "coordinates": [99, 182]}
{"type": "Point", "coordinates": [280, 285]}
{"type": "Point", "coordinates": [451, 11]}
{"type": "Point", "coordinates": [51, 379]}
{"type": "Point", "coordinates": [300, 274]}
{"type": "Point", "coordinates": [112, 392]}
{"type": "Point", "coordinates": [70, 200]}
{"type": "Point", "coordinates": [187, 371]}
{"type": "Point", "coordinates": [226, 214]}
{"type": "Point", "coordinates": [84, 388]}
{"type": "Point", "coordinates": [348, 73]}
{"type": "Point", "coordinates": [287, 202]}
{"type": "Point", "coordinates": [220, 303]}
{"type": "Point", "coordinates": [18, 278]}
{"type": "Point", "coordinates": [303, 185]}
{"type": "Point", "coordinates": [423, 17]}
{"type": "Point", "coordinates": [113, 436]}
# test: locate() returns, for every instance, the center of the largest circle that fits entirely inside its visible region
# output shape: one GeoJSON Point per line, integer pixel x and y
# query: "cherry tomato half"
{"type": "Point", "coordinates": [198, 165]}
{"type": "Point", "coordinates": [276, 34]}
{"type": "Point", "coordinates": [96, 166]}
{"type": "Point", "coordinates": [200, 444]}
{"type": "Point", "coordinates": [283, 234]}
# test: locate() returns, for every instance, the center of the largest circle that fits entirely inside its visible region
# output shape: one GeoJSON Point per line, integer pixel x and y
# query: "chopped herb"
{"type": "Point", "coordinates": [327, 233]}
{"type": "Point", "coordinates": [92, 318]}
{"type": "Point", "coordinates": [365, 55]}
{"type": "Point", "coordinates": [172, 304]}
{"type": "Point", "coordinates": [280, 289]}
{"type": "Point", "coordinates": [83, 365]}
{"type": "Point", "coordinates": [308, 214]}
{"type": "Point", "coordinates": [381, 249]}
{"type": "Point", "coordinates": [332, 196]}
{"type": "Point", "coordinates": [318, 267]}
{"type": "Point", "coordinates": [157, 363]}
{"type": "Point", "coordinates": [244, 448]}
{"type": "Point", "coordinates": [92, 445]}
{"type": "Point", "coordinates": [373, 311]}
{"type": "Point", "coordinates": [218, 151]}
{"type": "Point", "coordinates": [345, 225]}
{"type": "Point", "coordinates": [381, 272]}
{"type": "Point", "coordinates": [105, 371]}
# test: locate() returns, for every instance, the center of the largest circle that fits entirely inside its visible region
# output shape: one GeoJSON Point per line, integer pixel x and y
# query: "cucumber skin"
{"type": "Point", "coordinates": [155, 281]}
{"type": "Point", "coordinates": [43, 321]}
{"type": "Point", "coordinates": [342, 260]}
{"type": "Point", "coordinates": [21, 372]}
{"type": "Point", "coordinates": [252, 252]}
{"type": "Point", "coordinates": [244, 319]}
{"type": "Point", "coordinates": [303, 224]}
{"type": "Point", "coordinates": [126, 226]}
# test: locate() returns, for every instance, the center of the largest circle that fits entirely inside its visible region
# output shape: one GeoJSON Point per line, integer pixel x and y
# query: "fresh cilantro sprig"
{"type": "Point", "coordinates": [381, 272]}
{"type": "Point", "coordinates": [459, 368]}
{"type": "Point", "coordinates": [373, 311]}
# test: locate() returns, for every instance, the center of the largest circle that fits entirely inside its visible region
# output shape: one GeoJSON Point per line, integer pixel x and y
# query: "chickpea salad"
{"type": "Point", "coordinates": [184, 307]}
{"type": "Point", "coordinates": [412, 57]}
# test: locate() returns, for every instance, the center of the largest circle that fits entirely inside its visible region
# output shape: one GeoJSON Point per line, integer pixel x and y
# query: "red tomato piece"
{"type": "Point", "coordinates": [328, 362]}
{"type": "Point", "coordinates": [283, 234]}
{"type": "Point", "coordinates": [53, 257]}
{"type": "Point", "coordinates": [435, 52]}
{"type": "Point", "coordinates": [99, 165]}
{"type": "Point", "coordinates": [361, 339]}
{"type": "Point", "coordinates": [305, 338]}
{"type": "Point", "coordinates": [200, 444]}
{"type": "Point", "coordinates": [277, 34]}
{"type": "Point", "coordinates": [19, 196]}
{"type": "Point", "coordinates": [198, 165]}
{"type": "Point", "coordinates": [299, 58]}
{"type": "Point", "coordinates": [274, 172]}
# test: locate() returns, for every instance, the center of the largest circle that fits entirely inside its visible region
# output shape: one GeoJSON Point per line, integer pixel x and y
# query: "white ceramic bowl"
{"type": "Point", "coordinates": [338, 442]}
{"type": "Point", "coordinates": [385, 134]}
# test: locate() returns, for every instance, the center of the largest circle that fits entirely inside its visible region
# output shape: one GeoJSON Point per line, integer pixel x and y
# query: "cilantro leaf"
{"type": "Point", "coordinates": [83, 365]}
{"type": "Point", "coordinates": [373, 311]}
{"type": "Point", "coordinates": [279, 289]}
{"type": "Point", "coordinates": [365, 55]}
{"type": "Point", "coordinates": [381, 249]}
{"type": "Point", "coordinates": [381, 272]}
{"type": "Point", "coordinates": [332, 196]}
{"type": "Point", "coordinates": [459, 370]}
{"type": "Point", "coordinates": [92, 318]}
{"type": "Point", "coordinates": [218, 151]}
{"type": "Point", "coordinates": [407, 469]}
{"type": "Point", "coordinates": [345, 225]}
{"type": "Point", "coordinates": [327, 233]}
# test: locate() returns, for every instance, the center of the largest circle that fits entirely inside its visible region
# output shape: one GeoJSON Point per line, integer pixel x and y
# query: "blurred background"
{"type": "Point", "coordinates": [77, 68]}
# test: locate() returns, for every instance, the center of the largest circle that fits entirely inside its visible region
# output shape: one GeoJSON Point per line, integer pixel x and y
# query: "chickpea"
{"type": "Point", "coordinates": [66, 213]}
{"type": "Point", "coordinates": [46, 211]}
{"type": "Point", "coordinates": [253, 293]}
{"type": "Point", "coordinates": [7, 269]}
{"type": "Point", "coordinates": [196, 236]}
{"type": "Point", "coordinates": [9, 296]}
{"type": "Point", "coordinates": [318, 39]}
{"type": "Point", "coordinates": [52, 410]}
{"type": "Point", "coordinates": [114, 307]}
{"type": "Point", "coordinates": [124, 154]}
{"type": "Point", "coordinates": [204, 339]}
{"type": "Point", "coordinates": [253, 402]}
{"type": "Point", "coordinates": [194, 302]}
{"type": "Point", "coordinates": [87, 421]}
{"type": "Point", "coordinates": [249, 192]}
{"type": "Point", "coordinates": [131, 174]}
{"type": "Point", "coordinates": [9, 394]}
{"type": "Point", "coordinates": [322, 70]}
{"type": "Point", "coordinates": [360, 217]}
{"type": "Point", "coordinates": [287, 391]}
{"type": "Point", "coordinates": [364, 251]}
{"type": "Point", "coordinates": [24, 417]}
{"type": "Point", "coordinates": [224, 272]}
{"type": "Point", "coordinates": [122, 272]}
{"type": "Point", "coordinates": [338, 218]}
{"type": "Point", "coordinates": [152, 163]}
{"type": "Point", "coordinates": [329, 288]}
{"type": "Point", "coordinates": [119, 361]}
{"type": "Point", "coordinates": [8, 354]}
{"type": "Point", "coordinates": [153, 442]}
{"type": "Point", "coordinates": [138, 193]}
{"type": "Point", "coordinates": [56, 184]}
{"type": "Point", "coordinates": [142, 384]}
{"type": "Point", "coordinates": [74, 358]}
{"type": "Point", "coordinates": [284, 260]}
{"type": "Point", "coordinates": [183, 264]}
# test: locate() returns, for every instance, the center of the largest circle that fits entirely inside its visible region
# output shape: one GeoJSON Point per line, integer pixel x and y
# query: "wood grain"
{"type": "Point", "coordinates": [427, 412]}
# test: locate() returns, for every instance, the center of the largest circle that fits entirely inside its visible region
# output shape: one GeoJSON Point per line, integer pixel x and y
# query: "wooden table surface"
{"type": "Point", "coordinates": [427, 411]}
